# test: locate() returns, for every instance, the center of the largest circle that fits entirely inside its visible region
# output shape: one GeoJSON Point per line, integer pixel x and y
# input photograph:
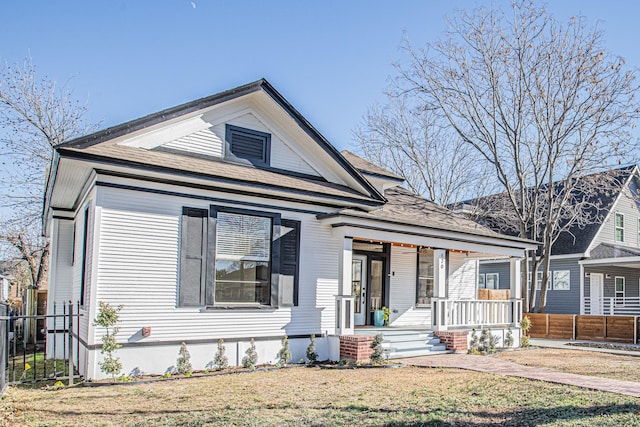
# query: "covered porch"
{"type": "Point", "coordinates": [423, 284]}
{"type": "Point", "coordinates": [610, 286]}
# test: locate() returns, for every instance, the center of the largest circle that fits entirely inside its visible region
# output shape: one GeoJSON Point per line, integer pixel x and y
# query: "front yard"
{"type": "Point", "coordinates": [316, 397]}
{"type": "Point", "coordinates": [582, 362]}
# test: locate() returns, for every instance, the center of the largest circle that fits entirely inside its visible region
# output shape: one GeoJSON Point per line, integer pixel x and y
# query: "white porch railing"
{"type": "Point", "coordinates": [621, 306]}
{"type": "Point", "coordinates": [470, 313]}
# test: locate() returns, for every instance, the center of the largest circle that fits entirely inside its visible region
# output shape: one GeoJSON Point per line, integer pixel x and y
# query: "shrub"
{"type": "Point", "coordinates": [508, 339]}
{"type": "Point", "coordinates": [377, 355]}
{"type": "Point", "coordinates": [250, 360]}
{"type": "Point", "coordinates": [473, 345]}
{"type": "Point", "coordinates": [220, 360]}
{"type": "Point", "coordinates": [183, 363]}
{"type": "Point", "coordinates": [525, 325]}
{"type": "Point", "coordinates": [311, 350]}
{"type": "Point", "coordinates": [385, 315]}
{"type": "Point", "coordinates": [108, 318]}
{"type": "Point", "coordinates": [284, 355]}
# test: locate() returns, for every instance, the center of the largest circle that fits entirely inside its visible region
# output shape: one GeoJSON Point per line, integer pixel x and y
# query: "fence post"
{"type": "Point", "coordinates": [70, 364]}
{"type": "Point", "coordinates": [573, 337]}
{"type": "Point", "coordinates": [635, 329]}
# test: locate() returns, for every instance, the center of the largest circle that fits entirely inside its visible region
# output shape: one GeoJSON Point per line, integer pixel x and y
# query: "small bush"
{"type": "Point", "coordinates": [311, 350]}
{"type": "Point", "coordinates": [183, 363]}
{"type": "Point", "coordinates": [377, 356]}
{"type": "Point", "coordinates": [284, 355]}
{"type": "Point", "coordinates": [108, 318]}
{"type": "Point", "coordinates": [250, 360]}
{"type": "Point", "coordinates": [525, 325]}
{"type": "Point", "coordinates": [473, 345]}
{"type": "Point", "coordinates": [220, 360]}
{"type": "Point", "coordinates": [508, 339]}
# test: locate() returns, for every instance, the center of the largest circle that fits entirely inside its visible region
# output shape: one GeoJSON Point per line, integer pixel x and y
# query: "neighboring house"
{"type": "Point", "coordinates": [232, 217]}
{"type": "Point", "coordinates": [595, 269]}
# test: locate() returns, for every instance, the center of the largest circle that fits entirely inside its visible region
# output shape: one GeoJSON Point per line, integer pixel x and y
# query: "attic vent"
{"type": "Point", "coordinates": [249, 144]}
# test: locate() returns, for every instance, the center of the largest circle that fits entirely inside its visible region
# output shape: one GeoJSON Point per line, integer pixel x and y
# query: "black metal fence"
{"type": "Point", "coordinates": [50, 353]}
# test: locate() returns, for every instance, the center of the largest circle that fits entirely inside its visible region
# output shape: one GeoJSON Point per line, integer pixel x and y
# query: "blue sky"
{"type": "Point", "coordinates": [330, 59]}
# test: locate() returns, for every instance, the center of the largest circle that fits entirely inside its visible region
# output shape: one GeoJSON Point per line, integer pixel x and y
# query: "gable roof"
{"type": "Point", "coordinates": [100, 148]}
{"type": "Point", "coordinates": [578, 238]}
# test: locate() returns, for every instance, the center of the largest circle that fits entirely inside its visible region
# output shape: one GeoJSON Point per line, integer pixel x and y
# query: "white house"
{"type": "Point", "coordinates": [232, 217]}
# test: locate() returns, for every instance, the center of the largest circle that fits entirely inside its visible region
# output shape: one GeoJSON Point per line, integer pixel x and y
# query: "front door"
{"type": "Point", "coordinates": [595, 289]}
{"type": "Point", "coordinates": [359, 288]}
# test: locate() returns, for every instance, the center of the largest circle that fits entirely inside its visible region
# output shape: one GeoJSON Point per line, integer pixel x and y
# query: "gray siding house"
{"type": "Point", "coordinates": [595, 269]}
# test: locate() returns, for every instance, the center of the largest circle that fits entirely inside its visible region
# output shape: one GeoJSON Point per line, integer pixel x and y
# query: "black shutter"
{"type": "Point", "coordinates": [193, 249]}
{"type": "Point", "coordinates": [289, 262]}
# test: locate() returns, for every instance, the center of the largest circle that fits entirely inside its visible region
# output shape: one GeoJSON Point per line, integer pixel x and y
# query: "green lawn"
{"type": "Point", "coordinates": [316, 397]}
{"type": "Point", "coordinates": [36, 367]}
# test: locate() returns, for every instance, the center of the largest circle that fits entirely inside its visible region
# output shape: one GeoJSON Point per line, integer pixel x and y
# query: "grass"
{"type": "Point", "coordinates": [314, 397]}
{"type": "Point", "coordinates": [582, 362]}
{"type": "Point", "coordinates": [38, 367]}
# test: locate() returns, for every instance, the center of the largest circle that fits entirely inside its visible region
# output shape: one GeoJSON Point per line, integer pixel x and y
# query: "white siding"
{"type": "Point", "coordinates": [463, 273]}
{"type": "Point", "coordinates": [204, 142]}
{"type": "Point", "coordinates": [138, 268]}
{"type": "Point", "coordinates": [627, 206]}
{"type": "Point", "coordinates": [403, 290]}
{"type": "Point", "coordinates": [282, 156]}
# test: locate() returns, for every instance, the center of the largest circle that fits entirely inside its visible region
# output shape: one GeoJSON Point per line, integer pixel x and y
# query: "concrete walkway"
{"type": "Point", "coordinates": [492, 365]}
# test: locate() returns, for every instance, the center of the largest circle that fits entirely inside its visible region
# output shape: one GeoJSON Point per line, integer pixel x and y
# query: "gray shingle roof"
{"type": "Point", "coordinates": [577, 239]}
{"type": "Point", "coordinates": [216, 169]}
{"type": "Point", "coordinates": [605, 250]}
{"type": "Point", "coordinates": [407, 208]}
{"type": "Point", "coordinates": [365, 166]}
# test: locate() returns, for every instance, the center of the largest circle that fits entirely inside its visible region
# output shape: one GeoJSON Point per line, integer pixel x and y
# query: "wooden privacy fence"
{"type": "Point", "coordinates": [622, 329]}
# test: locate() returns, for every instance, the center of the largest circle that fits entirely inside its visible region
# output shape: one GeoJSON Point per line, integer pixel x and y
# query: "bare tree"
{"type": "Point", "coordinates": [411, 141]}
{"type": "Point", "coordinates": [542, 102]}
{"type": "Point", "coordinates": [35, 115]}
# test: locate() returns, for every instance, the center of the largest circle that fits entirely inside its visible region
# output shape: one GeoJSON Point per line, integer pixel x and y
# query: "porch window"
{"type": "Point", "coordinates": [481, 283]}
{"type": "Point", "coordinates": [561, 280]}
{"type": "Point", "coordinates": [243, 260]}
{"type": "Point", "coordinates": [425, 278]}
{"type": "Point", "coordinates": [492, 280]}
{"type": "Point", "coordinates": [620, 289]}
{"type": "Point", "coordinates": [619, 227]}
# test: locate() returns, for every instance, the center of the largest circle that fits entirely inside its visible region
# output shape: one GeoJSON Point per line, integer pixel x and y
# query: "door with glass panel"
{"type": "Point", "coordinates": [359, 288]}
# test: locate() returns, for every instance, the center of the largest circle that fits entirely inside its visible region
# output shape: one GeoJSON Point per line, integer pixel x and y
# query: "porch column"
{"type": "Point", "coordinates": [344, 299]}
{"type": "Point", "coordinates": [438, 306]}
{"type": "Point", "coordinates": [515, 280]}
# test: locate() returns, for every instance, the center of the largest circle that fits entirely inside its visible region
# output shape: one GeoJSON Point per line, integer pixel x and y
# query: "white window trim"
{"type": "Point", "coordinates": [484, 281]}
{"type": "Point", "coordinates": [616, 227]}
{"type": "Point", "coordinates": [553, 276]}
{"type": "Point", "coordinates": [638, 231]}
{"type": "Point", "coordinates": [615, 287]}
{"type": "Point", "coordinates": [497, 281]}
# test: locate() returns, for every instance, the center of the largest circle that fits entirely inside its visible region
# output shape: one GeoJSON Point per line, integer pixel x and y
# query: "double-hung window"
{"type": "Point", "coordinates": [620, 285]}
{"type": "Point", "coordinates": [425, 278]}
{"type": "Point", "coordinates": [235, 257]}
{"type": "Point", "coordinates": [619, 227]}
{"type": "Point", "coordinates": [242, 259]}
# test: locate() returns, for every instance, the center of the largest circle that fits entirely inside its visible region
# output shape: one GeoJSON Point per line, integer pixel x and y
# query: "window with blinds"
{"type": "Point", "coordinates": [238, 257]}
{"type": "Point", "coordinates": [243, 253]}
